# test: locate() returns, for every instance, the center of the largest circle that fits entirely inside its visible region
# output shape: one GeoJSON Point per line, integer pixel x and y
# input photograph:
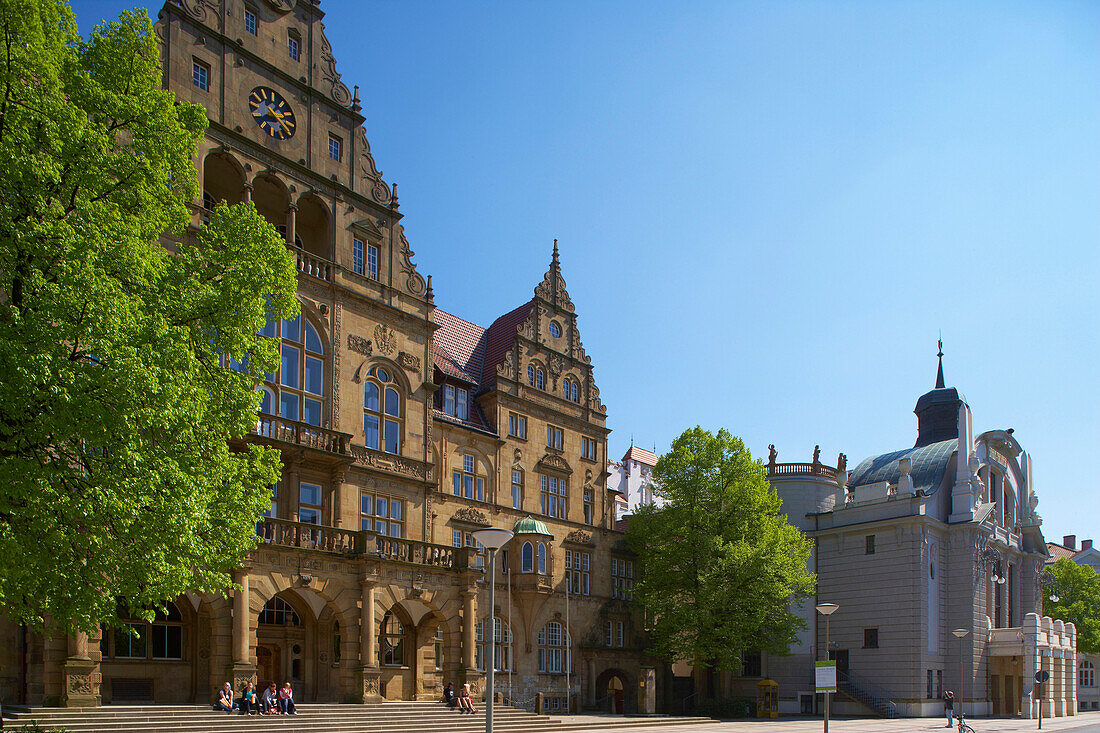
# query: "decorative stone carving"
{"type": "Point", "coordinates": [387, 462]}
{"type": "Point", "coordinates": [198, 8]}
{"type": "Point", "coordinates": [471, 515]}
{"type": "Point", "coordinates": [337, 89]}
{"type": "Point", "coordinates": [555, 463]}
{"type": "Point", "coordinates": [336, 319]}
{"type": "Point", "coordinates": [370, 178]}
{"type": "Point", "coordinates": [517, 457]}
{"type": "Point", "coordinates": [414, 283]}
{"type": "Point", "coordinates": [579, 537]}
{"type": "Point", "coordinates": [385, 338]}
{"type": "Point", "coordinates": [409, 361]}
{"type": "Point", "coordinates": [359, 345]}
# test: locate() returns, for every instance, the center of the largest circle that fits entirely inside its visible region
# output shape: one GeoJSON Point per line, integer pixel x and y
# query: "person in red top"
{"type": "Point", "coordinates": [286, 700]}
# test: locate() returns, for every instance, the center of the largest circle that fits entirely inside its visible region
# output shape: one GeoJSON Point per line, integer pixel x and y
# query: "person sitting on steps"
{"type": "Point", "coordinates": [249, 704]}
{"type": "Point", "coordinates": [286, 700]}
{"type": "Point", "coordinates": [225, 699]}
{"type": "Point", "coordinates": [465, 702]}
{"type": "Point", "coordinates": [269, 701]}
{"type": "Point", "coordinates": [449, 695]}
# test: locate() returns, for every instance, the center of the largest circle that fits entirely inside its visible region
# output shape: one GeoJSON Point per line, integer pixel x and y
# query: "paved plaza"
{"type": "Point", "coordinates": [1081, 722]}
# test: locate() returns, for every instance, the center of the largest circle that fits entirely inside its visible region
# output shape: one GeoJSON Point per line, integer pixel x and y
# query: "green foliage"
{"type": "Point", "coordinates": [1077, 588]}
{"type": "Point", "coordinates": [116, 478]}
{"type": "Point", "coordinates": [36, 728]}
{"type": "Point", "coordinates": [720, 564]}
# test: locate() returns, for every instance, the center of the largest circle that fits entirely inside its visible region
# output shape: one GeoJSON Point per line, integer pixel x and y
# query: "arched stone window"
{"type": "Point", "coordinates": [536, 377]}
{"type": "Point", "coordinates": [392, 641]}
{"type": "Point", "coordinates": [502, 656]}
{"type": "Point", "coordinates": [527, 558]}
{"type": "Point", "coordinates": [383, 414]}
{"type": "Point", "coordinates": [570, 390]}
{"type": "Point", "coordinates": [278, 612]}
{"type": "Point", "coordinates": [554, 649]}
{"type": "Point", "coordinates": [297, 388]}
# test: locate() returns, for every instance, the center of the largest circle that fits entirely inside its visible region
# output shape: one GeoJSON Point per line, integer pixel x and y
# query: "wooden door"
{"type": "Point", "coordinates": [268, 665]}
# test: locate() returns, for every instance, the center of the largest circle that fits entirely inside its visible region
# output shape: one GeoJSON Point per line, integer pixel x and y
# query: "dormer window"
{"type": "Point", "coordinates": [456, 402]}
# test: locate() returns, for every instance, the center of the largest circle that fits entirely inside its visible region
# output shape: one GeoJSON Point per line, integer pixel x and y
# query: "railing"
{"type": "Point", "coordinates": [310, 536]}
{"type": "Point", "coordinates": [312, 265]}
{"type": "Point", "coordinates": [300, 433]}
{"type": "Point", "coordinates": [813, 469]}
{"type": "Point", "coordinates": [873, 697]}
{"type": "Point", "coordinates": [285, 533]}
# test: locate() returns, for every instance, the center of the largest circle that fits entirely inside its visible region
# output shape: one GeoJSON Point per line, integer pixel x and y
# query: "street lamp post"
{"type": "Point", "coordinates": [827, 610]}
{"type": "Point", "coordinates": [493, 539]}
{"type": "Point", "coordinates": [960, 633]}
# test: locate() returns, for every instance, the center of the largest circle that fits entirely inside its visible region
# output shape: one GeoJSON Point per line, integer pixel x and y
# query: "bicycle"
{"type": "Point", "coordinates": [963, 727]}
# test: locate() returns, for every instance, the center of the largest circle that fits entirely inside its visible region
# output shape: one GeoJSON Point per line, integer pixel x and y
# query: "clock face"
{"type": "Point", "coordinates": [272, 113]}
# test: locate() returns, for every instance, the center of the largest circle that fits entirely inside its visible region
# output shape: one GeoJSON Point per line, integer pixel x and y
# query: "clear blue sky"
{"type": "Point", "coordinates": [767, 211]}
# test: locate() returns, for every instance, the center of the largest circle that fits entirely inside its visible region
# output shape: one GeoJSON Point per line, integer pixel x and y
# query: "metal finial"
{"type": "Point", "coordinates": [939, 372]}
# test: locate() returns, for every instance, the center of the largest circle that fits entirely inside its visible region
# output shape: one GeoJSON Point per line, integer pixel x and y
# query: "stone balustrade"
{"type": "Point", "coordinates": [304, 434]}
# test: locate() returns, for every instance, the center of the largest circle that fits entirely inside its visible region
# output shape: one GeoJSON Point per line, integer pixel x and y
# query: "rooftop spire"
{"type": "Point", "coordinates": [939, 373]}
{"type": "Point", "coordinates": [552, 287]}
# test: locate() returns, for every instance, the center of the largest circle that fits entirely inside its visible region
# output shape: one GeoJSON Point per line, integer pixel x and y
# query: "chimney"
{"type": "Point", "coordinates": [1086, 545]}
{"type": "Point", "coordinates": [1070, 541]}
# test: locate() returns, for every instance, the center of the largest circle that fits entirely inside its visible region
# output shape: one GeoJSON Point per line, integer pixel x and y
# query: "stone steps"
{"type": "Point", "coordinates": [395, 717]}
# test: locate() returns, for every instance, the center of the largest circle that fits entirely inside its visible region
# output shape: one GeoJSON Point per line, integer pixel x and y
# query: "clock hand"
{"type": "Point", "coordinates": [279, 118]}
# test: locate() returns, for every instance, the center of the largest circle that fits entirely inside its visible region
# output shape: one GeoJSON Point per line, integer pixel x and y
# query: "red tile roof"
{"type": "Point", "coordinates": [502, 334]}
{"type": "Point", "coordinates": [459, 347]}
{"type": "Point", "coordinates": [1057, 552]}
{"type": "Point", "coordinates": [641, 455]}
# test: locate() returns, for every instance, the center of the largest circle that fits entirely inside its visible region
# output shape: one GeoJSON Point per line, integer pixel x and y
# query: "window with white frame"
{"type": "Point", "coordinates": [293, 47]}
{"type": "Point", "coordinates": [536, 377]}
{"type": "Point", "coordinates": [613, 633]}
{"type": "Point", "coordinates": [467, 482]}
{"type": "Point", "coordinates": [250, 24]}
{"type": "Point", "coordinates": [357, 255]}
{"type": "Point", "coordinates": [577, 566]}
{"type": "Point", "coordinates": [456, 402]}
{"type": "Point", "coordinates": [392, 641]}
{"type": "Point", "coordinates": [297, 388]}
{"type": "Point", "coordinates": [335, 147]}
{"type": "Point", "coordinates": [554, 649]}
{"type": "Point", "coordinates": [160, 639]}
{"type": "Point", "coordinates": [372, 261]}
{"type": "Point", "coordinates": [309, 503]}
{"type": "Point", "coordinates": [588, 507]}
{"type": "Point", "coordinates": [552, 495]}
{"type": "Point", "coordinates": [382, 411]}
{"type": "Point", "coordinates": [517, 488]}
{"type": "Point", "coordinates": [570, 390]}
{"type": "Point", "coordinates": [382, 514]}
{"type": "Point", "coordinates": [502, 652]}
{"type": "Point", "coordinates": [438, 644]}
{"type": "Point", "coordinates": [200, 75]}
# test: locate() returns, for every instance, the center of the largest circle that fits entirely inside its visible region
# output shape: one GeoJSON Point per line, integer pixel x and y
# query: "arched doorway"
{"type": "Point", "coordinates": [282, 641]}
{"type": "Point", "coordinates": [615, 691]}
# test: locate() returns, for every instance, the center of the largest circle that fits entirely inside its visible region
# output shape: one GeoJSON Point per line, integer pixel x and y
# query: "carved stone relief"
{"type": "Point", "coordinates": [385, 338]}
{"type": "Point", "coordinates": [471, 515]}
{"type": "Point", "coordinates": [359, 345]}
{"type": "Point", "coordinates": [409, 361]}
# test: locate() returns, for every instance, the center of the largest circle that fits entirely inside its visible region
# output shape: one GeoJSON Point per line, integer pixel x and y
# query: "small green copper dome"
{"type": "Point", "coordinates": [530, 525]}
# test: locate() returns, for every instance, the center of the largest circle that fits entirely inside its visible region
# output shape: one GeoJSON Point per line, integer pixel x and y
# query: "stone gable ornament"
{"type": "Point", "coordinates": [471, 515]}
{"type": "Point", "coordinates": [385, 338]}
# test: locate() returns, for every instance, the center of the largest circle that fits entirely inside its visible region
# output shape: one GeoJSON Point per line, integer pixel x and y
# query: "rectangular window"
{"type": "Point", "coordinates": [928, 692]}
{"type": "Point", "coordinates": [517, 489]}
{"type": "Point", "coordinates": [870, 544]}
{"type": "Point", "coordinates": [577, 565]}
{"type": "Point", "coordinates": [939, 683]}
{"type": "Point", "coordinates": [466, 483]}
{"type": "Point", "coordinates": [293, 48]}
{"type": "Point", "coordinates": [372, 262]}
{"type": "Point", "coordinates": [588, 449]}
{"type": "Point", "coordinates": [517, 425]}
{"type": "Point", "coordinates": [751, 664]}
{"type": "Point", "coordinates": [335, 147]}
{"type": "Point", "coordinates": [250, 22]}
{"type": "Point", "coordinates": [383, 514]}
{"type": "Point", "coordinates": [456, 402]}
{"type": "Point", "coordinates": [609, 634]}
{"type": "Point", "coordinates": [870, 638]}
{"type": "Point", "coordinates": [357, 256]}
{"type": "Point", "coordinates": [309, 503]}
{"type": "Point", "coordinates": [167, 641]}
{"type": "Point", "coordinates": [555, 437]}
{"type": "Point", "coordinates": [200, 75]}
{"type": "Point", "coordinates": [619, 630]}
{"type": "Point", "coordinates": [552, 494]}
{"type": "Point", "coordinates": [622, 579]}
{"type": "Point", "coordinates": [130, 646]}
{"type": "Point", "coordinates": [588, 510]}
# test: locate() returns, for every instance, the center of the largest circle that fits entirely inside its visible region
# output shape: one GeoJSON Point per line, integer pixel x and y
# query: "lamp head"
{"type": "Point", "coordinates": [960, 632]}
{"type": "Point", "coordinates": [492, 537]}
{"type": "Point", "coordinates": [826, 609]}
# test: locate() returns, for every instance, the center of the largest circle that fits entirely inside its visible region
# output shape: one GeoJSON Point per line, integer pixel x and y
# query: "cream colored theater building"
{"type": "Point", "coordinates": [403, 429]}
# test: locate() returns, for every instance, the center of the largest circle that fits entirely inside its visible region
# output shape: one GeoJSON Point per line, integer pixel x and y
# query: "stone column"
{"type": "Point", "coordinates": [368, 672]}
{"type": "Point", "coordinates": [1031, 664]}
{"type": "Point", "coordinates": [246, 193]}
{"type": "Point", "coordinates": [336, 513]}
{"type": "Point", "coordinates": [1071, 669]}
{"type": "Point", "coordinates": [242, 669]}
{"type": "Point", "coordinates": [81, 675]}
{"type": "Point", "coordinates": [1058, 676]}
{"type": "Point", "coordinates": [469, 628]}
{"type": "Point", "coordinates": [291, 224]}
{"type": "Point", "coordinates": [293, 476]}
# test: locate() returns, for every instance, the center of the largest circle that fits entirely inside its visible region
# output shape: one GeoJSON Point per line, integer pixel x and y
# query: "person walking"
{"type": "Point", "coordinates": [949, 707]}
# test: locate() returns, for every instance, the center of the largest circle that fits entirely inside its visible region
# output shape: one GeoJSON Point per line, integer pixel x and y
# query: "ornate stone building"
{"type": "Point", "coordinates": [914, 544]}
{"type": "Point", "coordinates": [403, 429]}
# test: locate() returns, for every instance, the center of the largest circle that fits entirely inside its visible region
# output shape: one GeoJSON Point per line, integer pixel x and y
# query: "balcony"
{"type": "Point", "coordinates": [365, 544]}
{"type": "Point", "coordinates": [281, 430]}
{"type": "Point", "coordinates": [312, 265]}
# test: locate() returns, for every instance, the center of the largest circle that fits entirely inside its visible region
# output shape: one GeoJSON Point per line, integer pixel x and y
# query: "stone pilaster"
{"type": "Point", "coordinates": [82, 676]}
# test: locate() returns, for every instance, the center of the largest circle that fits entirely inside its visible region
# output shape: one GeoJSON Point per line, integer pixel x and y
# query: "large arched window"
{"type": "Point", "coordinates": [1086, 674]}
{"type": "Point", "coordinates": [278, 612]}
{"type": "Point", "coordinates": [392, 641]}
{"type": "Point", "coordinates": [502, 653]}
{"type": "Point", "coordinates": [382, 411]}
{"type": "Point", "coordinates": [298, 387]}
{"type": "Point", "coordinates": [554, 649]}
{"type": "Point", "coordinates": [527, 558]}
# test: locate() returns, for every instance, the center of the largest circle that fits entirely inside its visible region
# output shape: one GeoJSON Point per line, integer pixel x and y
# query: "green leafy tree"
{"type": "Point", "coordinates": [1077, 588]}
{"type": "Point", "coordinates": [116, 478]}
{"type": "Point", "coordinates": [720, 565]}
